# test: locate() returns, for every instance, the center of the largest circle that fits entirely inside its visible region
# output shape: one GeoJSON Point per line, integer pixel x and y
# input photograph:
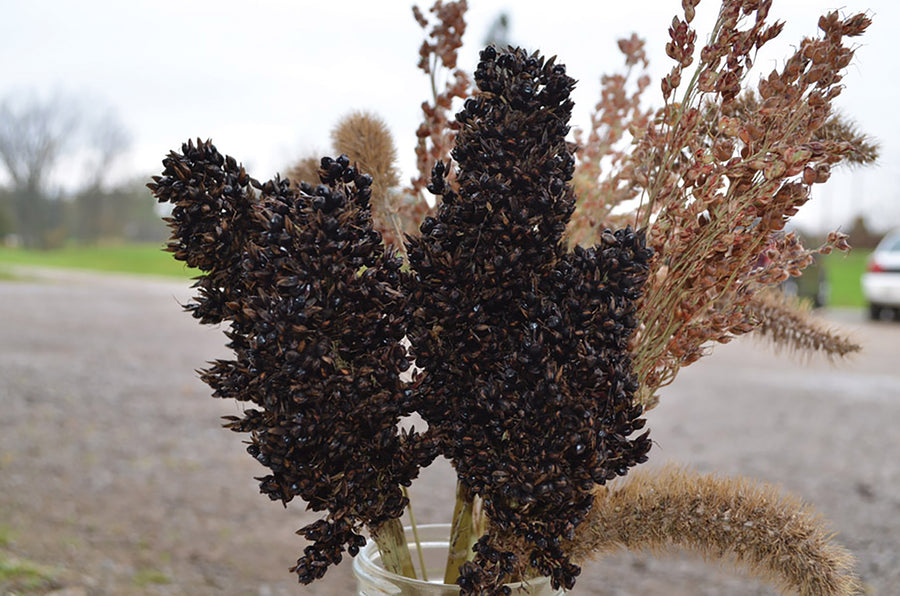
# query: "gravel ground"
{"type": "Point", "coordinates": [116, 477]}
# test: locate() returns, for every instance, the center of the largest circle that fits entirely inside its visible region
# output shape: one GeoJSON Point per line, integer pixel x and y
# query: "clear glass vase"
{"type": "Point", "coordinates": [374, 580]}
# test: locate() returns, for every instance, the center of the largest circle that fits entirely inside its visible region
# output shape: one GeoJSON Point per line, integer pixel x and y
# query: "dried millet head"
{"type": "Point", "coordinates": [316, 317]}
{"type": "Point", "coordinates": [527, 377]}
{"type": "Point", "coordinates": [212, 218]}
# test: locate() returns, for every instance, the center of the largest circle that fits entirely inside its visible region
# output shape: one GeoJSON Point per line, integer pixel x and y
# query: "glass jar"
{"type": "Point", "coordinates": [372, 579]}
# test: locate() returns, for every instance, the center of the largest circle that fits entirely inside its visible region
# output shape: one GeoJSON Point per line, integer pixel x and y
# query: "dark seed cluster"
{"type": "Point", "coordinates": [212, 218]}
{"type": "Point", "coordinates": [527, 376]}
{"type": "Point", "coordinates": [526, 379]}
{"type": "Point", "coordinates": [316, 312]}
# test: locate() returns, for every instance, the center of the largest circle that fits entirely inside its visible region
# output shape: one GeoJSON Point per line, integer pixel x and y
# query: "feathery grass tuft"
{"type": "Point", "coordinates": [773, 535]}
{"type": "Point", "coordinates": [864, 149]}
{"type": "Point", "coordinates": [367, 141]}
{"type": "Point", "coordinates": [788, 324]}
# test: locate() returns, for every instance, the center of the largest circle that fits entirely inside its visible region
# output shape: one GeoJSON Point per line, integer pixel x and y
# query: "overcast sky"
{"type": "Point", "coordinates": [266, 80]}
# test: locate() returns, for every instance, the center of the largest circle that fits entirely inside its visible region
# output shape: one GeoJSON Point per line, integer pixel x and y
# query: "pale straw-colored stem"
{"type": "Point", "coordinates": [391, 541]}
{"type": "Point", "coordinates": [460, 533]}
{"type": "Point", "coordinates": [415, 532]}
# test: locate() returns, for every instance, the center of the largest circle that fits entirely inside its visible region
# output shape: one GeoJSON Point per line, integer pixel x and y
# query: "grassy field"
{"type": "Point", "coordinates": [142, 259]}
{"type": "Point", "coordinates": [843, 271]}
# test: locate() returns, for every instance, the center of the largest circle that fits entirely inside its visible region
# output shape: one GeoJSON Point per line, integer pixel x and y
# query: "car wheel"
{"type": "Point", "coordinates": [874, 312]}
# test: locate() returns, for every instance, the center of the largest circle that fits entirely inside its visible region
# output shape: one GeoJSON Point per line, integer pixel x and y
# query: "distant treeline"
{"type": "Point", "coordinates": [127, 212]}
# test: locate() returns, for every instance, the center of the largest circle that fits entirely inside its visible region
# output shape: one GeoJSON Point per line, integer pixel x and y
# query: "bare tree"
{"type": "Point", "coordinates": [35, 135]}
{"type": "Point", "coordinates": [95, 208]}
{"type": "Point", "coordinates": [106, 140]}
{"type": "Point", "coordinates": [32, 137]}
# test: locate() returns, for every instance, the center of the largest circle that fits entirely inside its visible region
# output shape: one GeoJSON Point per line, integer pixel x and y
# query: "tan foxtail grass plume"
{"type": "Point", "coordinates": [367, 141]}
{"type": "Point", "coordinates": [773, 535]}
{"type": "Point", "coordinates": [788, 323]}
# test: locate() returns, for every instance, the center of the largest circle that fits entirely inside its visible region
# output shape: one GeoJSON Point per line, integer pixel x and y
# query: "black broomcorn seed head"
{"type": "Point", "coordinates": [527, 376]}
{"type": "Point", "coordinates": [316, 316]}
{"type": "Point", "coordinates": [526, 379]}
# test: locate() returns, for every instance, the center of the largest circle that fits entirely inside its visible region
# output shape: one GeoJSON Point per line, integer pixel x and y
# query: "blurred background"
{"type": "Point", "coordinates": [94, 94]}
{"type": "Point", "coordinates": [114, 475]}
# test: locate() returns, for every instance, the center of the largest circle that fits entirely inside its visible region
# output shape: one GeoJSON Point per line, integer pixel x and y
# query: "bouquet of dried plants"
{"type": "Point", "coordinates": [550, 292]}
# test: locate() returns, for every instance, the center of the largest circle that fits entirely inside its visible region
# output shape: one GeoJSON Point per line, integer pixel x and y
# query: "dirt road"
{"type": "Point", "coordinates": [116, 477]}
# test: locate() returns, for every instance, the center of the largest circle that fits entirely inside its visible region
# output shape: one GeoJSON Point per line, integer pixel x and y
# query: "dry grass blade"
{"type": "Point", "coordinates": [774, 536]}
{"type": "Point", "coordinates": [788, 323]}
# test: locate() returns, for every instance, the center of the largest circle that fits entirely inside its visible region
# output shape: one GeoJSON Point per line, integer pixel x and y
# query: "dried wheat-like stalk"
{"type": "Point", "coordinates": [438, 59]}
{"type": "Point", "coordinates": [864, 150]}
{"type": "Point", "coordinates": [788, 324]}
{"type": "Point", "coordinates": [367, 141]}
{"type": "Point", "coordinates": [721, 172]}
{"type": "Point", "coordinates": [774, 536]}
{"type": "Point", "coordinates": [615, 119]}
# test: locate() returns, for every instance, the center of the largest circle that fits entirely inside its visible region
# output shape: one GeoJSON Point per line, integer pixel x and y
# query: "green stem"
{"type": "Point", "coordinates": [391, 541]}
{"type": "Point", "coordinates": [460, 533]}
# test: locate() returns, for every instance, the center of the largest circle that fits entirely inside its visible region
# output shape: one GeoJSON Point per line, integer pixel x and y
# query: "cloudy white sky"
{"type": "Point", "coordinates": [267, 79]}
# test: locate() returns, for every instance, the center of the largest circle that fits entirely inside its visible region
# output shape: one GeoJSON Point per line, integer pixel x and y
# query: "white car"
{"type": "Point", "coordinates": [881, 281]}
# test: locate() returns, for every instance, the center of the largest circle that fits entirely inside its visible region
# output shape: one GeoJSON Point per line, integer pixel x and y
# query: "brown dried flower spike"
{"type": "Point", "coordinates": [316, 317]}
{"type": "Point", "coordinates": [524, 346]}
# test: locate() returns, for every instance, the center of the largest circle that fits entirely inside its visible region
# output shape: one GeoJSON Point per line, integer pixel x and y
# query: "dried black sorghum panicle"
{"type": "Point", "coordinates": [212, 216]}
{"type": "Point", "coordinates": [527, 376]}
{"type": "Point", "coordinates": [316, 316]}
